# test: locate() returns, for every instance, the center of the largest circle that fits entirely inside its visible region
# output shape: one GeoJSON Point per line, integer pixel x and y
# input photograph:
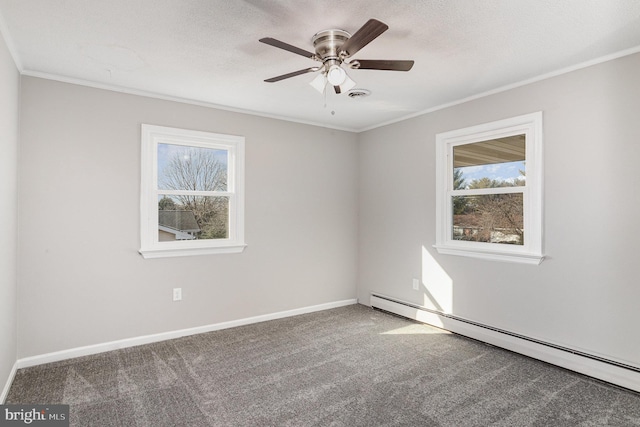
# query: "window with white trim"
{"type": "Point", "coordinates": [489, 190]}
{"type": "Point", "coordinates": [192, 195]}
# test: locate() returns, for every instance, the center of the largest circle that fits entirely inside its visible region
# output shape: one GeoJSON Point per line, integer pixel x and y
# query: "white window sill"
{"type": "Point", "coordinates": [517, 257]}
{"type": "Point", "coordinates": [173, 252]}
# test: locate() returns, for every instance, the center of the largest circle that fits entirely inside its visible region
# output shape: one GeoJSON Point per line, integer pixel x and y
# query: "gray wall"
{"type": "Point", "coordinates": [585, 294]}
{"type": "Point", "coordinates": [9, 101]}
{"type": "Point", "coordinates": [323, 208]}
{"type": "Point", "coordinates": [81, 279]}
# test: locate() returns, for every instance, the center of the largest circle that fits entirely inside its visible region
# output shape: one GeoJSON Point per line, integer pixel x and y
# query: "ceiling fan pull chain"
{"type": "Point", "coordinates": [324, 95]}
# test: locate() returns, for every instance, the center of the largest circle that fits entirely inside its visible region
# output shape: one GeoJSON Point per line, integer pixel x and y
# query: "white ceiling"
{"type": "Point", "coordinates": [207, 51]}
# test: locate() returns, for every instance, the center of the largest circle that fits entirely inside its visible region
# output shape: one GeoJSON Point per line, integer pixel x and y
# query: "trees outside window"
{"type": "Point", "coordinates": [492, 218]}
{"type": "Point", "coordinates": [489, 188]}
{"type": "Point", "coordinates": [183, 168]}
{"type": "Point", "coordinates": [192, 192]}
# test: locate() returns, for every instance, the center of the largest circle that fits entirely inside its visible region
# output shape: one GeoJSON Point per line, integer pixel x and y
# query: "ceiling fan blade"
{"type": "Point", "coordinates": [369, 31]}
{"type": "Point", "coordinates": [381, 64]}
{"type": "Point", "coordinates": [293, 74]}
{"type": "Point", "coordinates": [286, 46]}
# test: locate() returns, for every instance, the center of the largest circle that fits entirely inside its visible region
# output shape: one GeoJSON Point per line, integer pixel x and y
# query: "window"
{"type": "Point", "coordinates": [489, 190]}
{"type": "Point", "coordinates": [192, 200]}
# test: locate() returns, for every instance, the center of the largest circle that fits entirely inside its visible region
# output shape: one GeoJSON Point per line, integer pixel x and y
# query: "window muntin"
{"type": "Point", "coordinates": [192, 192]}
{"type": "Point", "coordinates": [489, 190]}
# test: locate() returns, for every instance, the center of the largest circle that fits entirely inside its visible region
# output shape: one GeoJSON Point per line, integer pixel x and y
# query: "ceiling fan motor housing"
{"type": "Point", "coordinates": [327, 44]}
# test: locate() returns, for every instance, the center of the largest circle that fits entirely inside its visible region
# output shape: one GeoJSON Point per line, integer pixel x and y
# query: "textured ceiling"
{"type": "Point", "coordinates": [207, 51]}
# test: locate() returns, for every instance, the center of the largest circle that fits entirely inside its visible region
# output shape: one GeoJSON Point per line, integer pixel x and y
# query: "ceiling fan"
{"type": "Point", "coordinates": [334, 48]}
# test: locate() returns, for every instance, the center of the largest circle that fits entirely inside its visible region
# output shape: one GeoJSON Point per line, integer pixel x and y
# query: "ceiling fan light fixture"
{"type": "Point", "coordinates": [336, 75]}
{"type": "Point", "coordinates": [347, 85]}
{"type": "Point", "coordinates": [319, 83]}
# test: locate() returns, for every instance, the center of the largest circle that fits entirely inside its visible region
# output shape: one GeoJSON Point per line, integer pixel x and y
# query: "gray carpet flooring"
{"type": "Point", "coordinates": [350, 366]}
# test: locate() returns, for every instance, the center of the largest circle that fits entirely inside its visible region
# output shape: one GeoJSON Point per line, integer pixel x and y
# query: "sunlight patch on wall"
{"type": "Point", "coordinates": [437, 285]}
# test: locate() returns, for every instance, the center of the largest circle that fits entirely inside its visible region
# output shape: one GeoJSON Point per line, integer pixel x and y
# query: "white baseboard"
{"type": "Point", "coordinates": [5, 390]}
{"type": "Point", "coordinates": [574, 361]}
{"type": "Point", "coordinates": [147, 339]}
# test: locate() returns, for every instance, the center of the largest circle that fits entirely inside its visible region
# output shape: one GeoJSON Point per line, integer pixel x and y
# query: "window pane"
{"type": "Point", "coordinates": [182, 167]}
{"type": "Point", "coordinates": [489, 164]}
{"type": "Point", "coordinates": [192, 218]}
{"type": "Point", "coordinates": [491, 218]}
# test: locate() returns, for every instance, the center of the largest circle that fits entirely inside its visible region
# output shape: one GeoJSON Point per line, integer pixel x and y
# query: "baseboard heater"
{"type": "Point", "coordinates": [612, 371]}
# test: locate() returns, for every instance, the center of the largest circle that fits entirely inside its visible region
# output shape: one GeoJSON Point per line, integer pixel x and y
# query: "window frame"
{"type": "Point", "coordinates": [150, 245]}
{"type": "Point", "coordinates": [531, 252]}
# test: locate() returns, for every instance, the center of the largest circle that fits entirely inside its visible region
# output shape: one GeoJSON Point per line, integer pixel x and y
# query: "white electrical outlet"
{"type": "Point", "coordinates": [177, 294]}
{"type": "Point", "coordinates": [416, 284]}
